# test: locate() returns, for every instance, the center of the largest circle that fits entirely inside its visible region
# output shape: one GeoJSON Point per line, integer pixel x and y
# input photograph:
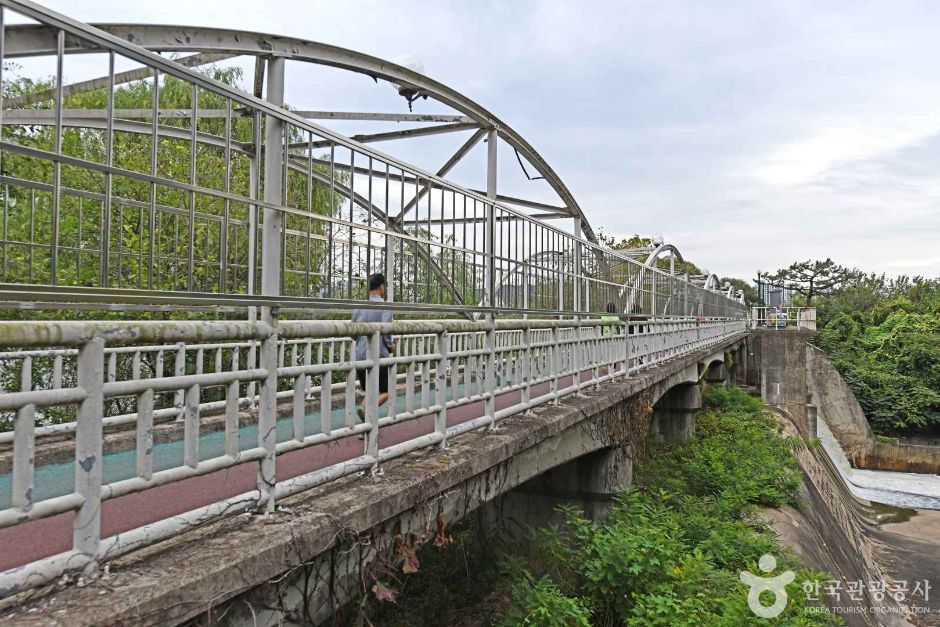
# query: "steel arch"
{"type": "Point", "coordinates": [649, 264]}
{"type": "Point", "coordinates": [29, 40]}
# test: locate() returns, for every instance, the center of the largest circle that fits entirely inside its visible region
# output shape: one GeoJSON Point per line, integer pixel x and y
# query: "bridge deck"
{"type": "Point", "coordinates": [200, 570]}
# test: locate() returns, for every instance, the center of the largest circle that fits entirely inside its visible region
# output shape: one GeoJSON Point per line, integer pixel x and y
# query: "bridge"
{"type": "Point", "coordinates": [180, 424]}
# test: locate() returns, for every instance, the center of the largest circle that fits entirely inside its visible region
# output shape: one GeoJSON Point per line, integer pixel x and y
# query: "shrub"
{"type": "Point", "coordinates": [671, 550]}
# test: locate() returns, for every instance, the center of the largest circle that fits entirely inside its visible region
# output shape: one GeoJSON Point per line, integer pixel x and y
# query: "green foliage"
{"type": "Point", "coordinates": [884, 338]}
{"type": "Point", "coordinates": [670, 552]}
{"type": "Point", "coordinates": [542, 604]}
{"type": "Point", "coordinates": [147, 249]}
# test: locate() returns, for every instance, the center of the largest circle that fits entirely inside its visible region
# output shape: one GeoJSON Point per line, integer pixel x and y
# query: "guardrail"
{"type": "Point", "coordinates": [98, 370]}
{"type": "Point", "coordinates": [783, 318]}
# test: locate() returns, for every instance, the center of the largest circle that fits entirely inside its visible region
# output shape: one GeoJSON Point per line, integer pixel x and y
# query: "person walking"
{"type": "Point", "coordinates": [377, 286]}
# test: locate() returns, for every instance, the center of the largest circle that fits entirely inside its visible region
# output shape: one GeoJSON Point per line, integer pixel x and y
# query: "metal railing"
{"type": "Point", "coordinates": [783, 318]}
{"type": "Point", "coordinates": [157, 185]}
{"type": "Point", "coordinates": [304, 373]}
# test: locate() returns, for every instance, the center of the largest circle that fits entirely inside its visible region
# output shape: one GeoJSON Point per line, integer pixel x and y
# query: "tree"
{"type": "Point", "coordinates": [811, 278]}
{"type": "Point", "coordinates": [149, 250]}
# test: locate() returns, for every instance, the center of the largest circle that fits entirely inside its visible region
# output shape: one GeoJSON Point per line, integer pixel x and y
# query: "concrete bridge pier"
{"type": "Point", "coordinates": [589, 483]}
{"type": "Point", "coordinates": [674, 413]}
{"type": "Point", "coordinates": [739, 364]}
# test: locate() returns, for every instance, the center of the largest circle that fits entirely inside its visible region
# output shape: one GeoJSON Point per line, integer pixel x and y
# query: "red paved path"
{"type": "Point", "coordinates": [27, 542]}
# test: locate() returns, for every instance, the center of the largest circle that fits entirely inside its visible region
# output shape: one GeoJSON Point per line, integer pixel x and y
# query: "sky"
{"type": "Point", "coordinates": [750, 134]}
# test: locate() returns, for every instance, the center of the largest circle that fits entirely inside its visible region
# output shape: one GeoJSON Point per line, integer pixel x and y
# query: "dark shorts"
{"type": "Point", "coordinates": [383, 379]}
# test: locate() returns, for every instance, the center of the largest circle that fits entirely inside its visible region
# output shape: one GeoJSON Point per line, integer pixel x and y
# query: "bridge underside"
{"type": "Point", "coordinates": [304, 562]}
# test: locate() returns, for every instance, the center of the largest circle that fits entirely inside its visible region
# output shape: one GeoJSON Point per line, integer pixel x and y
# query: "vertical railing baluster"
{"type": "Point", "coordinates": [299, 409]}
{"type": "Point", "coordinates": [57, 371]}
{"type": "Point", "coordinates": [577, 358]}
{"type": "Point", "coordinates": [489, 373]}
{"type": "Point", "coordinates": [597, 344]}
{"type": "Point", "coordinates": [410, 376]}
{"type": "Point", "coordinates": [308, 358]}
{"type": "Point", "coordinates": [112, 367]}
{"type": "Point", "coordinates": [391, 408]}
{"type": "Point", "coordinates": [425, 372]}
{"type": "Point", "coordinates": [191, 426]}
{"type": "Point", "coordinates": [326, 389]}
{"type": "Point", "coordinates": [351, 416]}
{"type": "Point", "coordinates": [624, 330]}
{"type": "Point", "coordinates": [252, 363]}
{"type": "Point", "coordinates": [179, 370]}
{"type": "Point", "coordinates": [135, 366]}
{"type": "Point", "coordinates": [145, 434]}
{"type": "Point", "coordinates": [231, 411]}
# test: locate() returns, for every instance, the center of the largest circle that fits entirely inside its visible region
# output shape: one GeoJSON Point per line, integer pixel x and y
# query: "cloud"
{"type": "Point", "coordinates": [750, 134]}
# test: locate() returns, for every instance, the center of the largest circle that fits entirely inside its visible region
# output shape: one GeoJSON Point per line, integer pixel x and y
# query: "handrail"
{"type": "Point", "coordinates": [305, 373]}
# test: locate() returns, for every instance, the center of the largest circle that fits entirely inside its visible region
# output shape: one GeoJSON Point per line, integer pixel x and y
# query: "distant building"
{"type": "Point", "coordinates": [774, 295]}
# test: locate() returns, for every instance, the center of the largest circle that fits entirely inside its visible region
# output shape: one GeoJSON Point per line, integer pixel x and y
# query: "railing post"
{"type": "Point", "coordinates": [625, 338]}
{"type": "Point", "coordinates": [271, 283]}
{"type": "Point", "coordinates": [489, 405]}
{"type": "Point", "coordinates": [489, 239]}
{"type": "Point", "coordinates": [527, 367]}
{"type": "Point", "coordinates": [489, 373]}
{"type": "Point", "coordinates": [267, 413]}
{"type": "Point", "coordinates": [653, 288]}
{"type": "Point", "coordinates": [555, 364]}
{"type": "Point", "coordinates": [440, 387]}
{"type": "Point", "coordinates": [373, 352]}
{"type": "Point", "coordinates": [577, 265]}
{"type": "Point", "coordinates": [390, 243]}
{"type": "Point", "coordinates": [598, 351]}
{"type": "Point", "coordinates": [577, 359]}
{"type": "Point", "coordinates": [274, 163]}
{"type": "Point", "coordinates": [86, 527]}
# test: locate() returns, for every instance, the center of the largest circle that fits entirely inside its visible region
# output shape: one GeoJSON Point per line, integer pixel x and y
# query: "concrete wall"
{"type": "Point", "coordinates": [778, 360]}
{"type": "Point", "coordinates": [840, 409]}
{"type": "Point", "coordinates": [833, 530]}
{"type": "Point", "coordinates": [837, 405]}
{"type": "Point", "coordinates": [899, 455]}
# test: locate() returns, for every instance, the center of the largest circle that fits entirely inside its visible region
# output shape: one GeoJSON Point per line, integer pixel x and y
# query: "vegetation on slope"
{"type": "Point", "coordinates": [883, 335]}
{"type": "Point", "coordinates": [669, 553]}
